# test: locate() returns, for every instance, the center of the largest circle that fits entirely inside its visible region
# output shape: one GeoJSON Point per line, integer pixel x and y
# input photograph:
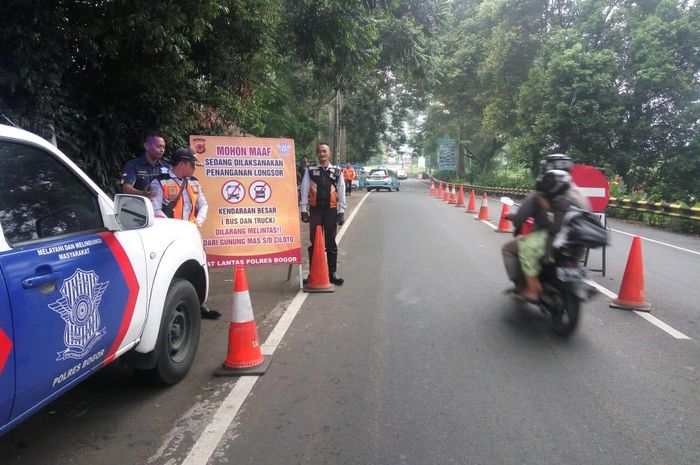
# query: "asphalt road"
{"type": "Point", "coordinates": [417, 359]}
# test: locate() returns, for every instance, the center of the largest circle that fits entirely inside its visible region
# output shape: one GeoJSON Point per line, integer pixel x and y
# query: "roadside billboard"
{"type": "Point", "coordinates": [447, 154]}
{"type": "Point", "coordinates": [250, 186]}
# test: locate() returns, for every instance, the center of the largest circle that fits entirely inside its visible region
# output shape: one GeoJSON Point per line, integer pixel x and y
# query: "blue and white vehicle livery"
{"type": "Point", "coordinates": [84, 280]}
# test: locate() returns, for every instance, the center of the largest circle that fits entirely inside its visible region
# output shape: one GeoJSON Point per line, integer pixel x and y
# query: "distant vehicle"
{"type": "Point", "coordinates": [401, 174]}
{"type": "Point", "coordinates": [84, 280]}
{"type": "Point", "coordinates": [382, 179]}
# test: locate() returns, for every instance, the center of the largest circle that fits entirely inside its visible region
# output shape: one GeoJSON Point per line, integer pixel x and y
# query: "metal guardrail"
{"type": "Point", "coordinates": [667, 209]}
{"type": "Point", "coordinates": [659, 208]}
{"type": "Point", "coordinates": [500, 190]}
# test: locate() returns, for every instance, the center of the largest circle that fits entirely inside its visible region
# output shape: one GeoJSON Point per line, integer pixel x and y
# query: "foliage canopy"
{"type": "Point", "coordinates": [613, 83]}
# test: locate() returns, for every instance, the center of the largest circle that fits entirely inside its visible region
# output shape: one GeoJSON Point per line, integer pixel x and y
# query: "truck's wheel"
{"type": "Point", "coordinates": [178, 336]}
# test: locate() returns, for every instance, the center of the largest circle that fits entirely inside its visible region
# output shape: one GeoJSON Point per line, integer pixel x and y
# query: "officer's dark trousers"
{"type": "Point", "coordinates": [327, 218]}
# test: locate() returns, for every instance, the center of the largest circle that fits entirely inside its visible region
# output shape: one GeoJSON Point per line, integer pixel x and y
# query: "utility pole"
{"type": "Point", "coordinates": [460, 160]}
{"type": "Point", "coordinates": [337, 105]}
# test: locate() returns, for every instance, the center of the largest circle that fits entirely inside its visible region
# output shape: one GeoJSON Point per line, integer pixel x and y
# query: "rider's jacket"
{"type": "Point", "coordinates": [530, 207]}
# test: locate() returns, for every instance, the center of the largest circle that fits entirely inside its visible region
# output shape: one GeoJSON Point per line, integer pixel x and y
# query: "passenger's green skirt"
{"type": "Point", "coordinates": [531, 249]}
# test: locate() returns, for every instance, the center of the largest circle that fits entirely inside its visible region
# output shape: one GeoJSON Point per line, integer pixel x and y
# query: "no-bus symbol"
{"type": "Point", "coordinates": [233, 191]}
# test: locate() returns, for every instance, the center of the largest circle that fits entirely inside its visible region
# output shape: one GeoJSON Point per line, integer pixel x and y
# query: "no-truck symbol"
{"type": "Point", "coordinates": [260, 191]}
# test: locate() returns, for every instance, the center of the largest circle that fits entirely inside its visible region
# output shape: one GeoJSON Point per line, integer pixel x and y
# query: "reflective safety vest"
{"type": "Point", "coordinates": [171, 190]}
{"type": "Point", "coordinates": [349, 173]}
{"type": "Point", "coordinates": [323, 192]}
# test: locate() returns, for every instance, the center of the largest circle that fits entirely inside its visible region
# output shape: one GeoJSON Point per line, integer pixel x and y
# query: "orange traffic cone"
{"type": "Point", "coordinates": [319, 280]}
{"type": "Point", "coordinates": [484, 210]}
{"type": "Point", "coordinates": [453, 195]}
{"type": "Point", "coordinates": [471, 206]}
{"type": "Point", "coordinates": [432, 188]}
{"type": "Point", "coordinates": [439, 193]}
{"type": "Point", "coordinates": [504, 224]}
{"type": "Point", "coordinates": [631, 295]}
{"type": "Point", "coordinates": [460, 197]}
{"type": "Point", "coordinates": [526, 227]}
{"type": "Point", "coordinates": [446, 197]}
{"type": "Point", "coordinates": [244, 356]}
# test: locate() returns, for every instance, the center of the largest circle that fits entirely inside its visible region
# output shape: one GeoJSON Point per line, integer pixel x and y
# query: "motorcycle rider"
{"type": "Point", "coordinates": [554, 193]}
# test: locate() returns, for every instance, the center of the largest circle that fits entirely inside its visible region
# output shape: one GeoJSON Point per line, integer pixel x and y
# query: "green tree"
{"type": "Point", "coordinates": [619, 89]}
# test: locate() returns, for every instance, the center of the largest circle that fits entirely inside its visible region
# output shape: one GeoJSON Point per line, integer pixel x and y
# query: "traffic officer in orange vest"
{"type": "Point", "coordinates": [348, 175]}
{"type": "Point", "coordinates": [323, 203]}
{"type": "Point", "coordinates": [179, 195]}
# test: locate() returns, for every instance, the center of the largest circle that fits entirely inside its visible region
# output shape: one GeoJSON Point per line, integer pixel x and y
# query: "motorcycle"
{"type": "Point", "coordinates": [563, 279]}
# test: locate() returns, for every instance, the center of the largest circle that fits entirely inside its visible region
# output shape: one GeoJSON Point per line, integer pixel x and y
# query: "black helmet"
{"type": "Point", "coordinates": [557, 161]}
{"type": "Point", "coordinates": [553, 183]}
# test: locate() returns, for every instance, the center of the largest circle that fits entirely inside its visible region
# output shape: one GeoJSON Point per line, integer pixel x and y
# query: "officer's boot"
{"type": "Point", "coordinates": [332, 255]}
{"type": "Point", "coordinates": [209, 313]}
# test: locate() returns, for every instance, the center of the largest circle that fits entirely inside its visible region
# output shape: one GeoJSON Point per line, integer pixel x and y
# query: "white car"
{"type": "Point", "coordinates": [84, 280]}
{"type": "Point", "coordinates": [401, 174]}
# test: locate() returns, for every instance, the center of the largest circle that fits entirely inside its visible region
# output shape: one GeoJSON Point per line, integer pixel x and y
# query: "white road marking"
{"type": "Point", "coordinates": [656, 242]}
{"type": "Point", "coordinates": [488, 223]}
{"type": "Point", "coordinates": [283, 324]}
{"type": "Point", "coordinates": [341, 233]}
{"type": "Point", "coordinates": [656, 322]}
{"type": "Point", "coordinates": [210, 438]}
{"type": "Point", "coordinates": [610, 294]}
{"type": "Point", "coordinates": [646, 315]}
{"type": "Point", "coordinates": [205, 446]}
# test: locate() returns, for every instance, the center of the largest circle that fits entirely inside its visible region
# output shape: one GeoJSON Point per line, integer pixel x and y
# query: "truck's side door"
{"type": "Point", "coordinates": [71, 286]}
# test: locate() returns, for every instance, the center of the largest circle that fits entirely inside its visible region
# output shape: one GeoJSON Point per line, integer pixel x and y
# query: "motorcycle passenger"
{"type": "Point", "coordinates": [555, 193]}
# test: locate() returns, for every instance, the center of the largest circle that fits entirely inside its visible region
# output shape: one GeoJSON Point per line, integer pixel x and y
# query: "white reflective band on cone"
{"type": "Point", "coordinates": [242, 308]}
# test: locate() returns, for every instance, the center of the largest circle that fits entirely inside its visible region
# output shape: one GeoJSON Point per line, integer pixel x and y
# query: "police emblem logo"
{"type": "Point", "coordinates": [284, 148]}
{"type": "Point", "coordinates": [200, 145]}
{"type": "Point", "coordinates": [79, 308]}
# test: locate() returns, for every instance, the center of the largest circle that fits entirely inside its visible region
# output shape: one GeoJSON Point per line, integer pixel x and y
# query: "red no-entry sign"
{"type": "Point", "coordinates": [593, 184]}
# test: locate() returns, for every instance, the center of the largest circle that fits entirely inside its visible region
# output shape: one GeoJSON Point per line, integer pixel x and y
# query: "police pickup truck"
{"type": "Point", "coordinates": [84, 280]}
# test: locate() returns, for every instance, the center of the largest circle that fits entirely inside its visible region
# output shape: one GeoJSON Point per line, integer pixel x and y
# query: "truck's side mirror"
{"type": "Point", "coordinates": [133, 211]}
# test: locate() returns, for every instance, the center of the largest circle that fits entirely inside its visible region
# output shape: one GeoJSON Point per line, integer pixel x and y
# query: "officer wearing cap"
{"type": "Point", "coordinates": [139, 172]}
{"type": "Point", "coordinates": [178, 195]}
